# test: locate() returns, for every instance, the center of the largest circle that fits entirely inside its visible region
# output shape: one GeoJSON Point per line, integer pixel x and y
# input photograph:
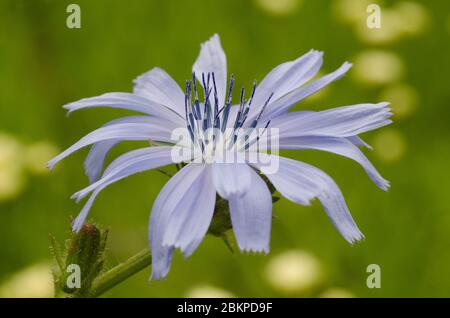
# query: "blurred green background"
{"type": "Point", "coordinates": [44, 65]}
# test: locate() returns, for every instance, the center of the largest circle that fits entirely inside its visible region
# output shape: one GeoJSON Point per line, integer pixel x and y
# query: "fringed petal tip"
{"type": "Point", "coordinates": [138, 79]}
{"type": "Point", "coordinates": [156, 277]}
{"type": "Point", "coordinates": [51, 164]}
{"type": "Point", "coordinates": [213, 40]}
{"type": "Point", "coordinates": [70, 107]}
{"type": "Point", "coordinates": [342, 70]}
{"type": "Point", "coordinates": [214, 37]}
{"type": "Point", "coordinates": [255, 249]}
{"type": "Point", "coordinates": [381, 106]}
{"type": "Point", "coordinates": [76, 196]}
{"type": "Point", "coordinates": [249, 246]}
{"type": "Point", "coordinates": [385, 185]}
{"type": "Point", "coordinates": [384, 109]}
{"type": "Point", "coordinates": [160, 268]}
{"type": "Point", "coordinates": [177, 245]}
{"type": "Point", "coordinates": [244, 249]}
{"type": "Point", "coordinates": [317, 52]}
{"type": "Point", "coordinates": [346, 66]}
{"type": "Point", "coordinates": [77, 225]}
{"type": "Point", "coordinates": [356, 237]}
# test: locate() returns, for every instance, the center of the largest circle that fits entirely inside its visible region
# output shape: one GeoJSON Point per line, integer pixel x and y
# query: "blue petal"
{"type": "Point", "coordinates": [251, 215]}
{"type": "Point", "coordinates": [231, 178]}
{"type": "Point", "coordinates": [357, 141]}
{"type": "Point", "coordinates": [340, 146]}
{"type": "Point", "coordinates": [93, 164]}
{"type": "Point", "coordinates": [345, 121]}
{"type": "Point", "coordinates": [300, 182]}
{"type": "Point", "coordinates": [190, 219]}
{"type": "Point", "coordinates": [284, 78]}
{"type": "Point", "coordinates": [127, 101]}
{"type": "Point", "coordinates": [212, 59]}
{"type": "Point", "coordinates": [156, 85]}
{"type": "Point", "coordinates": [283, 104]}
{"type": "Point", "coordinates": [157, 131]}
{"type": "Point", "coordinates": [172, 195]}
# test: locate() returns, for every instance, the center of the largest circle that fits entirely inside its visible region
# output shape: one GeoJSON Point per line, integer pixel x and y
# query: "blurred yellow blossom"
{"type": "Point", "coordinates": [35, 281]}
{"type": "Point", "coordinates": [404, 18]}
{"type": "Point", "coordinates": [294, 271]}
{"type": "Point", "coordinates": [352, 11]}
{"type": "Point", "coordinates": [389, 145]}
{"type": "Point", "coordinates": [10, 149]}
{"type": "Point", "coordinates": [389, 32]}
{"type": "Point", "coordinates": [206, 291]}
{"type": "Point", "coordinates": [37, 155]}
{"type": "Point", "coordinates": [279, 7]}
{"type": "Point", "coordinates": [12, 182]}
{"type": "Point", "coordinates": [12, 178]}
{"type": "Point", "coordinates": [413, 17]}
{"type": "Point", "coordinates": [337, 292]}
{"type": "Point", "coordinates": [16, 159]}
{"type": "Point", "coordinates": [378, 67]}
{"type": "Point", "coordinates": [403, 99]}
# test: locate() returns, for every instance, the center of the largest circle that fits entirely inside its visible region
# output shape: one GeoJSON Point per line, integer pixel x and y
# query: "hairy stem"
{"type": "Point", "coordinates": [121, 272]}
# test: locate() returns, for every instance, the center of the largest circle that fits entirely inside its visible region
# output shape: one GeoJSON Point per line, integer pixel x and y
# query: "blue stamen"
{"type": "Point", "coordinates": [186, 107]}
{"type": "Point", "coordinates": [206, 118]}
{"type": "Point", "coordinates": [197, 112]}
{"type": "Point", "coordinates": [248, 144]}
{"type": "Point", "coordinates": [212, 115]}
{"type": "Point", "coordinates": [216, 99]}
{"type": "Point", "coordinates": [216, 121]}
{"type": "Point", "coordinates": [253, 92]}
{"type": "Point", "coordinates": [191, 133]}
{"type": "Point", "coordinates": [255, 121]}
{"type": "Point", "coordinates": [247, 108]}
{"type": "Point", "coordinates": [191, 119]}
{"type": "Point", "coordinates": [227, 104]}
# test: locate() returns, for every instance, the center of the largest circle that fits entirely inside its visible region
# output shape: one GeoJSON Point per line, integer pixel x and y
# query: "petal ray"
{"type": "Point", "coordinates": [283, 104]}
{"type": "Point", "coordinates": [251, 216]}
{"type": "Point", "coordinates": [156, 85]}
{"type": "Point", "coordinates": [340, 146]}
{"type": "Point", "coordinates": [125, 131]}
{"type": "Point", "coordinates": [127, 101]}
{"type": "Point", "coordinates": [300, 183]}
{"type": "Point", "coordinates": [175, 190]}
{"type": "Point", "coordinates": [212, 58]}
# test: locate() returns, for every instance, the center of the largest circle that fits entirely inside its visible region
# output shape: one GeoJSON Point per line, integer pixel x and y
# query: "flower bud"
{"type": "Point", "coordinates": [84, 260]}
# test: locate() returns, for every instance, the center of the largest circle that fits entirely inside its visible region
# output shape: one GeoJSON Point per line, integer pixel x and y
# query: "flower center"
{"type": "Point", "coordinates": [207, 122]}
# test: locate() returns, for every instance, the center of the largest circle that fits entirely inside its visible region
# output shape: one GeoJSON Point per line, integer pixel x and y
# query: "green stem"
{"type": "Point", "coordinates": [121, 272]}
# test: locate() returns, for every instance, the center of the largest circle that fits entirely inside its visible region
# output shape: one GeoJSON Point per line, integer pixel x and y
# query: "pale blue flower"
{"type": "Point", "coordinates": [183, 210]}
